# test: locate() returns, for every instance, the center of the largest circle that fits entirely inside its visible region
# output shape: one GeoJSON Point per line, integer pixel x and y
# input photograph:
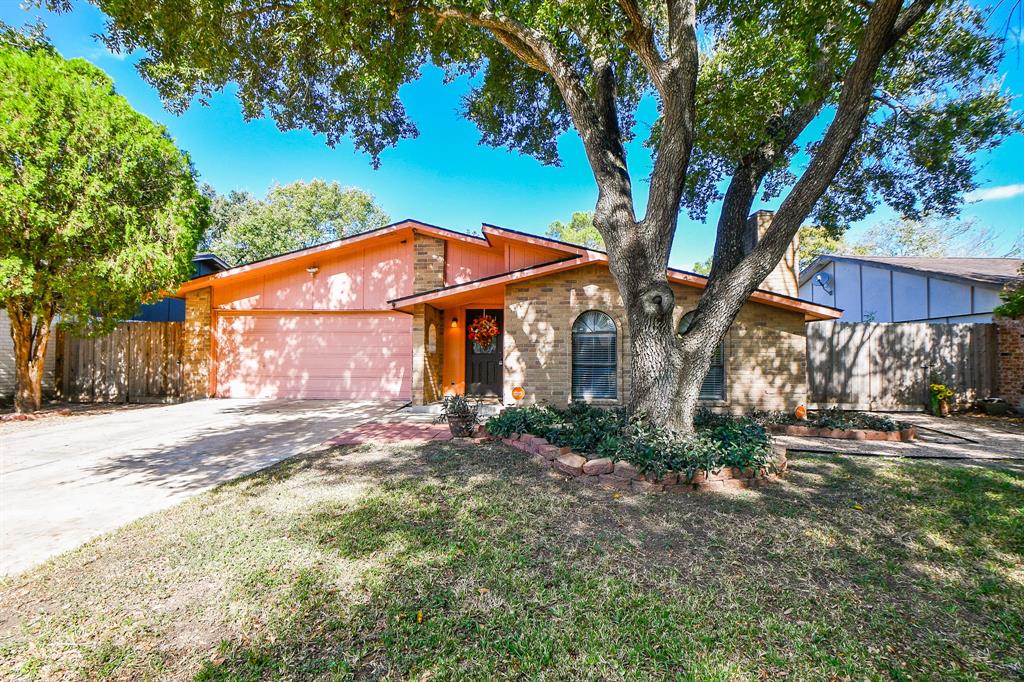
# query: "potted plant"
{"type": "Point", "coordinates": [940, 399]}
{"type": "Point", "coordinates": [461, 415]}
{"type": "Point", "coordinates": [995, 407]}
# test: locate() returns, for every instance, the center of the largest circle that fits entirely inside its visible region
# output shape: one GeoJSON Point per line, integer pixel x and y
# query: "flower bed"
{"type": "Point", "coordinates": [837, 423]}
{"type": "Point", "coordinates": [607, 448]}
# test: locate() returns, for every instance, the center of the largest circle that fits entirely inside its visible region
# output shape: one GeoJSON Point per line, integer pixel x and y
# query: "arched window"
{"type": "Point", "coordinates": [594, 357]}
{"type": "Point", "coordinates": [432, 338]}
{"type": "Point", "coordinates": [713, 387]}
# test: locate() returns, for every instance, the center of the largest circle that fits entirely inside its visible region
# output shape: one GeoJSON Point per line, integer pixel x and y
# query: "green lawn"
{"type": "Point", "coordinates": [460, 561]}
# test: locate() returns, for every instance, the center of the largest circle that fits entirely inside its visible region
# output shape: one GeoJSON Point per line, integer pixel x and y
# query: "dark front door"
{"type": "Point", "coordinates": [484, 362]}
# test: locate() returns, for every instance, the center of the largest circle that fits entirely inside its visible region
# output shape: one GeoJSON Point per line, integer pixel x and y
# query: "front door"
{"type": "Point", "coordinates": [484, 361]}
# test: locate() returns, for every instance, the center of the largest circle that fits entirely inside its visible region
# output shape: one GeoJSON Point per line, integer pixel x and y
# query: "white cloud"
{"type": "Point", "coordinates": [104, 52]}
{"type": "Point", "coordinates": [995, 193]}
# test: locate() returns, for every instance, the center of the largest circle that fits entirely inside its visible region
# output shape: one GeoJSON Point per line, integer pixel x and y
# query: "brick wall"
{"type": "Point", "coordinates": [1010, 373]}
{"type": "Point", "coordinates": [765, 349]}
{"type": "Point", "coordinates": [196, 344]}
{"type": "Point", "coordinates": [427, 357]}
{"type": "Point", "coordinates": [428, 263]}
{"type": "Point", "coordinates": [784, 278]}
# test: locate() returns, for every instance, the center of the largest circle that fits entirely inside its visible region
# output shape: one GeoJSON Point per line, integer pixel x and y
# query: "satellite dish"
{"type": "Point", "coordinates": [824, 280]}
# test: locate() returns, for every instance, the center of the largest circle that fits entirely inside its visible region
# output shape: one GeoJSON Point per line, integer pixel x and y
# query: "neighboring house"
{"type": "Point", "coordinates": [384, 315]}
{"type": "Point", "coordinates": [167, 310]}
{"type": "Point", "coordinates": [884, 289]}
{"type": "Point", "coordinates": [172, 309]}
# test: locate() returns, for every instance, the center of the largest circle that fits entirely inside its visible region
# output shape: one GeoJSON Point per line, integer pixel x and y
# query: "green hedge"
{"type": "Point", "coordinates": [720, 440]}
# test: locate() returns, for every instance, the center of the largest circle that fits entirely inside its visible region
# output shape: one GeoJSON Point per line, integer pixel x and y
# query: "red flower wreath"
{"type": "Point", "coordinates": [483, 330]}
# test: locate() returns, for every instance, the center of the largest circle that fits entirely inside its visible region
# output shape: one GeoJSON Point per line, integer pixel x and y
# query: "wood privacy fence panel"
{"type": "Point", "coordinates": [137, 362]}
{"type": "Point", "coordinates": [886, 366]}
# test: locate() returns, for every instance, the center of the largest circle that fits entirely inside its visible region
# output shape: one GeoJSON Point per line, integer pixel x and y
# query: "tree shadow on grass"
{"type": "Point", "coordinates": [466, 561]}
{"type": "Point", "coordinates": [484, 567]}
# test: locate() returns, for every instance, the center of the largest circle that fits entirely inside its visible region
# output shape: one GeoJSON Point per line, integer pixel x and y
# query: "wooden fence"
{"type": "Point", "coordinates": [138, 362]}
{"type": "Point", "coordinates": [887, 366]}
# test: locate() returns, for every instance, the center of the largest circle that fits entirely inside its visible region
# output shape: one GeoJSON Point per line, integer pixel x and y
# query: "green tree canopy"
{"type": "Point", "coordinates": [98, 208]}
{"type": "Point", "coordinates": [579, 230]}
{"type": "Point", "coordinates": [1013, 298]}
{"type": "Point", "coordinates": [703, 267]}
{"type": "Point", "coordinates": [903, 95]}
{"type": "Point", "coordinates": [293, 216]}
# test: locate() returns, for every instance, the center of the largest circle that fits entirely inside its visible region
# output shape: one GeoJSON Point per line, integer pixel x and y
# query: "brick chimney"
{"type": "Point", "coordinates": [783, 279]}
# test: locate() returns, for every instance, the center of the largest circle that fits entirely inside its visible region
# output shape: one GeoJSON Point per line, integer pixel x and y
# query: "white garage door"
{"type": "Point", "coordinates": [348, 356]}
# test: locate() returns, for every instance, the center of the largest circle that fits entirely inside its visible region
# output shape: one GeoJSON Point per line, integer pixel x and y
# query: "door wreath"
{"type": "Point", "coordinates": [482, 332]}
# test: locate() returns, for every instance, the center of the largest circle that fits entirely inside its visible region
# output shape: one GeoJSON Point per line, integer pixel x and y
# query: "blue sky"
{"type": "Point", "coordinates": [444, 176]}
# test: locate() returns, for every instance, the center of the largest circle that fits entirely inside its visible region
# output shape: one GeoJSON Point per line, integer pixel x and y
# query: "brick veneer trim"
{"type": "Point", "coordinates": [1010, 365]}
{"type": "Point", "coordinates": [765, 349]}
{"type": "Point", "coordinates": [428, 263]}
{"type": "Point", "coordinates": [197, 344]}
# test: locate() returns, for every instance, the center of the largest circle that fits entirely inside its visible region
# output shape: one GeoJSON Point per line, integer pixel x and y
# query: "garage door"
{"type": "Point", "coordinates": [349, 356]}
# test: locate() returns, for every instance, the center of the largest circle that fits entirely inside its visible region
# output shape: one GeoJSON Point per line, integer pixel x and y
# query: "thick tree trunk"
{"type": "Point", "coordinates": [666, 370]}
{"type": "Point", "coordinates": [31, 335]}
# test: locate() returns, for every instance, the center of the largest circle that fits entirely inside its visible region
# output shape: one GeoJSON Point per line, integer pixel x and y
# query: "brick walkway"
{"type": "Point", "coordinates": [392, 432]}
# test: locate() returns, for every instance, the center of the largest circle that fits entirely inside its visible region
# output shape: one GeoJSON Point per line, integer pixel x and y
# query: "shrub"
{"type": "Point", "coordinates": [535, 419]}
{"type": "Point", "coordinates": [720, 441]}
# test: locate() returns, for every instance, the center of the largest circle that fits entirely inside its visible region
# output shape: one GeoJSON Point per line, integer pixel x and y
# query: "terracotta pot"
{"type": "Point", "coordinates": [944, 408]}
{"type": "Point", "coordinates": [461, 426]}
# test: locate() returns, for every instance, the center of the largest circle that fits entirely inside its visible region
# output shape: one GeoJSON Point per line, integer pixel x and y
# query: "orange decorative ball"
{"type": "Point", "coordinates": [801, 412]}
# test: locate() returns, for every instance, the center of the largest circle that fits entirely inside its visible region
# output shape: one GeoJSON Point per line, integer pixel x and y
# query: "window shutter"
{"type": "Point", "coordinates": [713, 387]}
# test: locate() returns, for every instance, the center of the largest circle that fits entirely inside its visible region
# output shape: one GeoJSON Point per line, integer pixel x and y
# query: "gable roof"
{"type": "Point", "coordinates": [565, 256]}
{"type": "Point", "coordinates": [337, 245]}
{"type": "Point", "coordinates": [456, 294]}
{"type": "Point", "coordinates": [993, 272]}
{"type": "Point", "coordinates": [212, 261]}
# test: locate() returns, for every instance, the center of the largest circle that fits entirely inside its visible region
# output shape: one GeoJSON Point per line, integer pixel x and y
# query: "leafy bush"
{"type": "Point", "coordinates": [534, 419]}
{"type": "Point", "coordinates": [720, 441]}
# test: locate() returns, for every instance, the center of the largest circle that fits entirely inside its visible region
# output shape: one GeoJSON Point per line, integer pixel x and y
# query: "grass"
{"type": "Point", "coordinates": [451, 561]}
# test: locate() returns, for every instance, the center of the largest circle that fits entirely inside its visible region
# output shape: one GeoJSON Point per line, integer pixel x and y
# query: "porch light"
{"type": "Point", "coordinates": [312, 270]}
{"type": "Point", "coordinates": [455, 323]}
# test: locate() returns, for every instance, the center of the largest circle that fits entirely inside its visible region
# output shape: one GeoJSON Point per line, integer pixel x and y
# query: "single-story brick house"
{"type": "Point", "coordinates": [385, 314]}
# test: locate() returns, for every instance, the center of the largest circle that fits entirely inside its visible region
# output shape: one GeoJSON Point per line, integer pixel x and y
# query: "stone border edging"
{"type": "Point", "coordinates": [903, 435]}
{"type": "Point", "coordinates": [622, 475]}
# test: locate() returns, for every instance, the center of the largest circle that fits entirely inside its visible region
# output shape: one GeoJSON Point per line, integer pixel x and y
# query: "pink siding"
{"type": "Point", "coordinates": [524, 255]}
{"type": "Point", "coordinates": [361, 279]}
{"type": "Point", "coordinates": [465, 262]}
{"type": "Point", "coordinates": [346, 356]}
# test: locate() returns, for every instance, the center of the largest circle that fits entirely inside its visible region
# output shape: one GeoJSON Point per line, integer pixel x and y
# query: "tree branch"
{"type": "Point", "coordinates": [726, 291]}
{"type": "Point", "coordinates": [598, 130]}
{"type": "Point", "coordinates": [678, 122]}
{"type": "Point", "coordinates": [730, 242]}
{"type": "Point", "coordinates": [909, 17]}
{"type": "Point", "coordinates": [640, 38]}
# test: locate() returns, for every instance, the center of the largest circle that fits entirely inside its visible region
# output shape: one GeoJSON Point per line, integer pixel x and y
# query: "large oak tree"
{"type": "Point", "coordinates": [833, 105]}
{"type": "Point", "coordinates": [98, 208]}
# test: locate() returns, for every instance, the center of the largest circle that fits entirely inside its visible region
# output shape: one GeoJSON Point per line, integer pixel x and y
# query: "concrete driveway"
{"type": "Point", "coordinates": [65, 480]}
